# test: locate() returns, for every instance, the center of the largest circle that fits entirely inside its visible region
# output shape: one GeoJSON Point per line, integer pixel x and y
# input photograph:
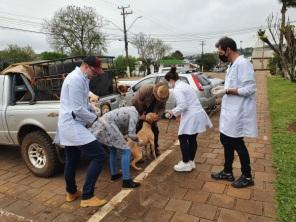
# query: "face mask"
{"type": "Point", "coordinates": [223, 58]}
{"type": "Point", "coordinates": [170, 85]}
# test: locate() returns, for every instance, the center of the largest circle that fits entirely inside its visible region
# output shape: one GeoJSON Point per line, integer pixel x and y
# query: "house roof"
{"type": "Point", "coordinates": [171, 62]}
{"type": "Point", "coordinates": [260, 52]}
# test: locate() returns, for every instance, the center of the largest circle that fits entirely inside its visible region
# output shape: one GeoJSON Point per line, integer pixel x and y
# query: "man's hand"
{"type": "Point", "coordinates": [218, 91]}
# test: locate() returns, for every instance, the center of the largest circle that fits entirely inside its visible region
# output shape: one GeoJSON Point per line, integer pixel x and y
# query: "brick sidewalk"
{"type": "Point", "coordinates": [170, 196]}
{"type": "Point", "coordinates": [26, 197]}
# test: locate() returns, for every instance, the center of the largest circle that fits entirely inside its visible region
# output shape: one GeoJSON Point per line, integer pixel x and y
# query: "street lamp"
{"type": "Point", "coordinates": [134, 22]}
{"type": "Point", "coordinates": [126, 43]}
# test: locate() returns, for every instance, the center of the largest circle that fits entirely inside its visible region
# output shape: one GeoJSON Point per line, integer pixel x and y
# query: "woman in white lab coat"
{"type": "Point", "coordinates": [194, 119]}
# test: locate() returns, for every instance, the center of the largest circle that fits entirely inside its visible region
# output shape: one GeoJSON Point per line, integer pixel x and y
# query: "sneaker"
{"type": "Point", "coordinates": [116, 176]}
{"type": "Point", "coordinates": [130, 184]}
{"type": "Point", "coordinates": [242, 182]}
{"type": "Point", "coordinates": [73, 196]}
{"type": "Point", "coordinates": [183, 167]}
{"type": "Point", "coordinates": [223, 176]}
{"type": "Point", "coordinates": [192, 164]}
{"type": "Point", "coordinates": [92, 202]}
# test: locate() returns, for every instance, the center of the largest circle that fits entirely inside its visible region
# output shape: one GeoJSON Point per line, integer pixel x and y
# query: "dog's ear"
{"type": "Point", "coordinates": [122, 89]}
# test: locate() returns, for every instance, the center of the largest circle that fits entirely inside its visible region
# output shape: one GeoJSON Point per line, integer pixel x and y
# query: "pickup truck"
{"type": "Point", "coordinates": [29, 105]}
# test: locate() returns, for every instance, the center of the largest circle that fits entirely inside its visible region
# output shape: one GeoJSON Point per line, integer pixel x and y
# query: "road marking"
{"type": "Point", "coordinates": [177, 143]}
{"type": "Point", "coordinates": [17, 217]}
{"type": "Point", "coordinates": [101, 213]}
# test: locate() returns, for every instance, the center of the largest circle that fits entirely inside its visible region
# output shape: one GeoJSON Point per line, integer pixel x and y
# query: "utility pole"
{"type": "Point", "coordinates": [202, 43]}
{"type": "Point", "coordinates": [124, 13]}
{"type": "Point", "coordinates": [241, 46]}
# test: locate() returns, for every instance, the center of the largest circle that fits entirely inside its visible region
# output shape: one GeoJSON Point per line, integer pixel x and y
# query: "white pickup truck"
{"type": "Point", "coordinates": [29, 105]}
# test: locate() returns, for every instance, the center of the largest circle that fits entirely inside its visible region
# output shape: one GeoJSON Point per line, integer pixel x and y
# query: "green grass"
{"type": "Point", "coordinates": [282, 105]}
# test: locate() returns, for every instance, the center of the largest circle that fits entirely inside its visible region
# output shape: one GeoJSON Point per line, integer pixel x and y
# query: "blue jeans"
{"type": "Point", "coordinates": [125, 162]}
{"type": "Point", "coordinates": [92, 151]}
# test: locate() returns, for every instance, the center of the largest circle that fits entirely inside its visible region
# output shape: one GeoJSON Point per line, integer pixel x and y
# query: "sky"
{"type": "Point", "coordinates": [182, 24]}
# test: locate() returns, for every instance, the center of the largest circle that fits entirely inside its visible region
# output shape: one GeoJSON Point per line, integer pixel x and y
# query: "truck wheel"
{"type": "Point", "coordinates": [40, 154]}
{"type": "Point", "coordinates": [105, 108]}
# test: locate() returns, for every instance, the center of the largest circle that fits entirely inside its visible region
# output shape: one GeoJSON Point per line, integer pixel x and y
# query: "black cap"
{"type": "Point", "coordinates": [95, 64]}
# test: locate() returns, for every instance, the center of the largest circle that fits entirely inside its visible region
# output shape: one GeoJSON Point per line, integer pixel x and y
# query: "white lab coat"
{"type": "Point", "coordinates": [193, 117]}
{"type": "Point", "coordinates": [74, 99]}
{"type": "Point", "coordinates": [238, 112]}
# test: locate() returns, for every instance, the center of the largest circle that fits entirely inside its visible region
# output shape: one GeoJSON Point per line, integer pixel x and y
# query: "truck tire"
{"type": "Point", "coordinates": [39, 154]}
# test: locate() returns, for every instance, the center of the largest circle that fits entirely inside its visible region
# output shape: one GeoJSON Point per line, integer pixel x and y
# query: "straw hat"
{"type": "Point", "coordinates": [161, 92]}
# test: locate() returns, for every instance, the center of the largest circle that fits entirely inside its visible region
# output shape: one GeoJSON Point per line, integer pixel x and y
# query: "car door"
{"type": "Point", "coordinates": [4, 137]}
{"type": "Point", "coordinates": [206, 85]}
{"type": "Point", "coordinates": [130, 94]}
{"type": "Point", "coordinates": [210, 100]}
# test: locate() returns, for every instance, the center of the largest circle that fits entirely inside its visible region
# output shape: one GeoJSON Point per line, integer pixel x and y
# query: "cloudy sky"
{"type": "Point", "coordinates": [182, 24]}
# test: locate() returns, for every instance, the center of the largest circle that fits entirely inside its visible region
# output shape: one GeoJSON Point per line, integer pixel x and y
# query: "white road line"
{"type": "Point", "coordinates": [101, 213]}
{"type": "Point", "coordinates": [17, 217]}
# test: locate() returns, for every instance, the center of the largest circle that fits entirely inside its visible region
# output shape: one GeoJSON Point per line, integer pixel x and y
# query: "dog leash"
{"type": "Point", "coordinates": [166, 131]}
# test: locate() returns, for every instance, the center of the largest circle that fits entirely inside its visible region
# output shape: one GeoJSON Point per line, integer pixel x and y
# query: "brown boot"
{"type": "Point", "coordinates": [73, 196]}
{"type": "Point", "coordinates": [92, 202]}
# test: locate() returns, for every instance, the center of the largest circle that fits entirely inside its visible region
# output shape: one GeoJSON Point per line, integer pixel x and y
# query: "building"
{"type": "Point", "coordinates": [261, 55]}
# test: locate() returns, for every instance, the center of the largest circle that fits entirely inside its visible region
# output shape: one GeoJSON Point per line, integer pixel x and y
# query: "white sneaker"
{"type": "Point", "coordinates": [192, 164]}
{"type": "Point", "coordinates": [183, 167]}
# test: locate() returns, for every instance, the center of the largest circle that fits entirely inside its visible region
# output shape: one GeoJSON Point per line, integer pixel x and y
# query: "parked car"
{"type": "Point", "coordinates": [29, 109]}
{"type": "Point", "coordinates": [128, 83]}
{"type": "Point", "coordinates": [216, 81]}
{"type": "Point", "coordinates": [165, 70]}
{"type": "Point", "coordinates": [198, 81]}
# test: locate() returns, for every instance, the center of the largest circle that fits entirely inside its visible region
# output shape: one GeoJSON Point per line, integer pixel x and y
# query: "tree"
{"type": "Point", "coordinates": [14, 54]}
{"type": "Point", "coordinates": [51, 55]}
{"type": "Point", "coordinates": [177, 55]}
{"type": "Point", "coordinates": [208, 60]}
{"type": "Point", "coordinates": [285, 5]}
{"type": "Point", "coordinates": [120, 64]}
{"type": "Point", "coordinates": [287, 56]}
{"type": "Point", "coordinates": [76, 31]}
{"type": "Point", "coordinates": [150, 50]}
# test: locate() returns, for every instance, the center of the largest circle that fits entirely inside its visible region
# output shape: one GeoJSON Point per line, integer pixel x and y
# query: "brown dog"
{"type": "Point", "coordinates": [122, 89]}
{"type": "Point", "coordinates": [146, 140]}
{"type": "Point", "coordinates": [136, 153]}
{"type": "Point", "coordinates": [93, 99]}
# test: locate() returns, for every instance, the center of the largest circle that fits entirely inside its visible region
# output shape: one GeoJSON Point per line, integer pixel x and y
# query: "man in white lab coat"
{"type": "Point", "coordinates": [238, 112]}
{"type": "Point", "coordinates": [75, 116]}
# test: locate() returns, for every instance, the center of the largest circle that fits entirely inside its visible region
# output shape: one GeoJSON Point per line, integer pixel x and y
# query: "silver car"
{"type": "Point", "coordinates": [196, 80]}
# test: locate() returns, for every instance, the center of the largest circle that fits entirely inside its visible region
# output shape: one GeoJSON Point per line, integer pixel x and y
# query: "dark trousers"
{"type": "Point", "coordinates": [92, 151]}
{"type": "Point", "coordinates": [230, 144]}
{"type": "Point", "coordinates": [155, 131]}
{"type": "Point", "coordinates": [188, 145]}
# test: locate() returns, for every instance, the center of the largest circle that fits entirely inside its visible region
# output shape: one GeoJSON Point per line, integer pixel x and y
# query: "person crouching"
{"type": "Point", "coordinates": [110, 129]}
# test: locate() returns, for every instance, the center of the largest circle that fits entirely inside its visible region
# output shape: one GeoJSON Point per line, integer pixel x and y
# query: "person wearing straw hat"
{"type": "Point", "coordinates": [151, 98]}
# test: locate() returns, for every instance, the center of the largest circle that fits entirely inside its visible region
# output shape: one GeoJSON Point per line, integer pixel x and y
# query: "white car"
{"type": "Point", "coordinates": [197, 81]}
{"type": "Point", "coordinates": [165, 70]}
